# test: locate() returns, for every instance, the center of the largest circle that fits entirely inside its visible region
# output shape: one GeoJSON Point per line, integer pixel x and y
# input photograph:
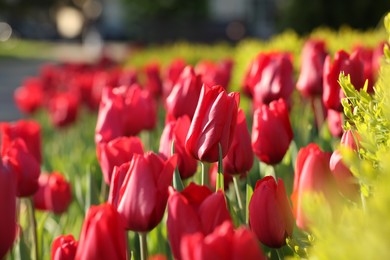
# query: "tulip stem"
{"type": "Point", "coordinates": [236, 188]}
{"type": "Point", "coordinates": [279, 253]}
{"type": "Point", "coordinates": [33, 223]}
{"type": "Point", "coordinates": [143, 245]}
{"type": "Point", "coordinates": [220, 181]}
{"type": "Point", "coordinates": [272, 172]}
{"type": "Point", "coordinates": [318, 112]}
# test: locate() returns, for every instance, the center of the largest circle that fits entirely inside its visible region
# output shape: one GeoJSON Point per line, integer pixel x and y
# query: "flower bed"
{"type": "Point", "coordinates": [263, 150]}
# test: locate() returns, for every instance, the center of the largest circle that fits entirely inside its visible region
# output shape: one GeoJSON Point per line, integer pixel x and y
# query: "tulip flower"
{"type": "Point", "coordinates": [116, 152]}
{"type": "Point", "coordinates": [28, 130]}
{"type": "Point", "coordinates": [239, 159]}
{"type": "Point", "coordinates": [343, 62]}
{"type": "Point", "coordinates": [312, 62]}
{"type": "Point", "coordinates": [223, 243]}
{"type": "Point", "coordinates": [142, 197]}
{"type": "Point", "coordinates": [312, 174]}
{"type": "Point", "coordinates": [195, 209]}
{"type": "Point", "coordinates": [270, 214]}
{"type": "Point", "coordinates": [276, 80]}
{"type": "Point", "coordinates": [140, 110]}
{"type": "Point", "coordinates": [176, 131]}
{"type": "Point", "coordinates": [172, 74]}
{"type": "Point", "coordinates": [63, 109]}
{"type": "Point", "coordinates": [366, 55]}
{"type": "Point", "coordinates": [7, 209]}
{"type": "Point", "coordinates": [215, 73]}
{"type": "Point", "coordinates": [153, 80]}
{"type": "Point", "coordinates": [271, 132]}
{"type": "Point", "coordinates": [124, 111]}
{"type": "Point", "coordinates": [213, 124]}
{"type": "Point", "coordinates": [184, 96]}
{"type": "Point", "coordinates": [64, 248]}
{"type": "Point", "coordinates": [24, 166]}
{"type": "Point", "coordinates": [103, 235]}
{"type": "Point", "coordinates": [30, 96]}
{"type": "Point", "coordinates": [254, 72]}
{"type": "Point", "coordinates": [54, 193]}
{"type": "Point", "coordinates": [346, 182]}
{"type": "Point", "coordinates": [335, 122]}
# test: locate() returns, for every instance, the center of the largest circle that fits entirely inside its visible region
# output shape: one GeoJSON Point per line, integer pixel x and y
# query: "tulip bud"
{"type": "Point", "coordinates": [312, 174]}
{"type": "Point", "coordinates": [213, 124]}
{"type": "Point", "coordinates": [184, 96]}
{"type": "Point", "coordinates": [270, 214]}
{"type": "Point", "coordinates": [335, 122]}
{"type": "Point", "coordinates": [117, 152]}
{"type": "Point", "coordinates": [64, 248]}
{"type": "Point", "coordinates": [29, 97]}
{"type": "Point", "coordinates": [343, 62]}
{"type": "Point", "coordinates": [54, 193]}
{"type": "Point", "coordinates": [153, 80]}
{"type": "Point", "coordinates": [276, 80]}
{"type": "Point", "coordinates": [271, 132]}
{"type": "Point", "coordinates": [142, 197]}
{"type": "Point", "coordinates": [24, 165]}
{"type": "Point", "coordinates": [7, 209]}
{"type": "Point", "coordinates": [310, 78]}
{"type": "Point", "coordinates": [195, 209]}
{"type": "Point", "coordinates": [28, 130]}
{"type": "Point", "coordinates": [63, 109]}
{"type": "Point", "coordinates": [103, 235]}
{"type": "Point", "coordinates": [223, 243]}
{"type": "Point", "coordinates": [239, 159]}
{"type": "Point", "coordinates": [176, 131]}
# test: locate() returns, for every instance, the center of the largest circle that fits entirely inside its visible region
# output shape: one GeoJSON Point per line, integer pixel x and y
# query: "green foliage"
{"type": "Point", "coordinates": [360, 231]}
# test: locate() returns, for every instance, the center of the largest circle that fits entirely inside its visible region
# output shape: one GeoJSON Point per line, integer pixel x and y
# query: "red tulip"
{"type": "Point", "coordinates": [271, 132]}
{"type": "Point", "coordinates": [63, 109]}
{"type": "Point", "coordinates": [54, 193]}
{"type": "Point", "coordinates": [143, 195]}
{"type": "Point", "coordinates": [239, 159]}
{"type": "Point", "coordinates": [142, 107]}
{"type": "Point", "coordinates": [7, 209]}
{"type": "Point", "coordinates": [153, 80]}
{"type": "Point", "coordinates": [195, 209]}
{"type": "Point", "coordinates": [254, 72]}
{"type": "Point", "coordinates": [117, 105]}
{"type": "Point", "coordinates": [30, 96]}
{"type": "Point", "coordinates": [346, 182]}
{"type": "Point", "coordinates": [64, 248]}
{"type": "Point", "coordinates": [276, 80]}
{"type": "Point", "coordinates": [177, 131]}
{"type": "Point", "coordinates": [103, 235]}
{"type": "Point", "coordinates": [343, 62]}
{"type": "Point", "coordinates": [184, 96]}
{"type": "Point", "coordinates": [109, 123]}
{"type": "Point", "coordinates": [223, 243]}
{"type": "Point", "coordinates": [215, 73]}
{"type": "Point", "coordinates": [28, 130]}
{"type": "Point", "coordinates": [312, 62]}
{"type": "Point", "coordinates": [366, 56]}
{"type": "Point", "coordinates": [312, 174]}
{"type": "Point", "coordinates": [214, 123]}
{"type": "Point", "coordinates": [118, 176]}
{"type": "Point", "coordinates": [335, 122]}
{"type": "Point", "coordinates": [116, 152]}
{"type": "Point", "coordinates": [270, 214]}
{"type": "Point", "coordinates": [24, 166]}
{"type": "Point", "coordinates": [172, 74]}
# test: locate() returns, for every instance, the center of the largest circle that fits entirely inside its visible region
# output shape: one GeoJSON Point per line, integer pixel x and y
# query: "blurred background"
{"type": "Point", "coordinates": [161, 21]}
